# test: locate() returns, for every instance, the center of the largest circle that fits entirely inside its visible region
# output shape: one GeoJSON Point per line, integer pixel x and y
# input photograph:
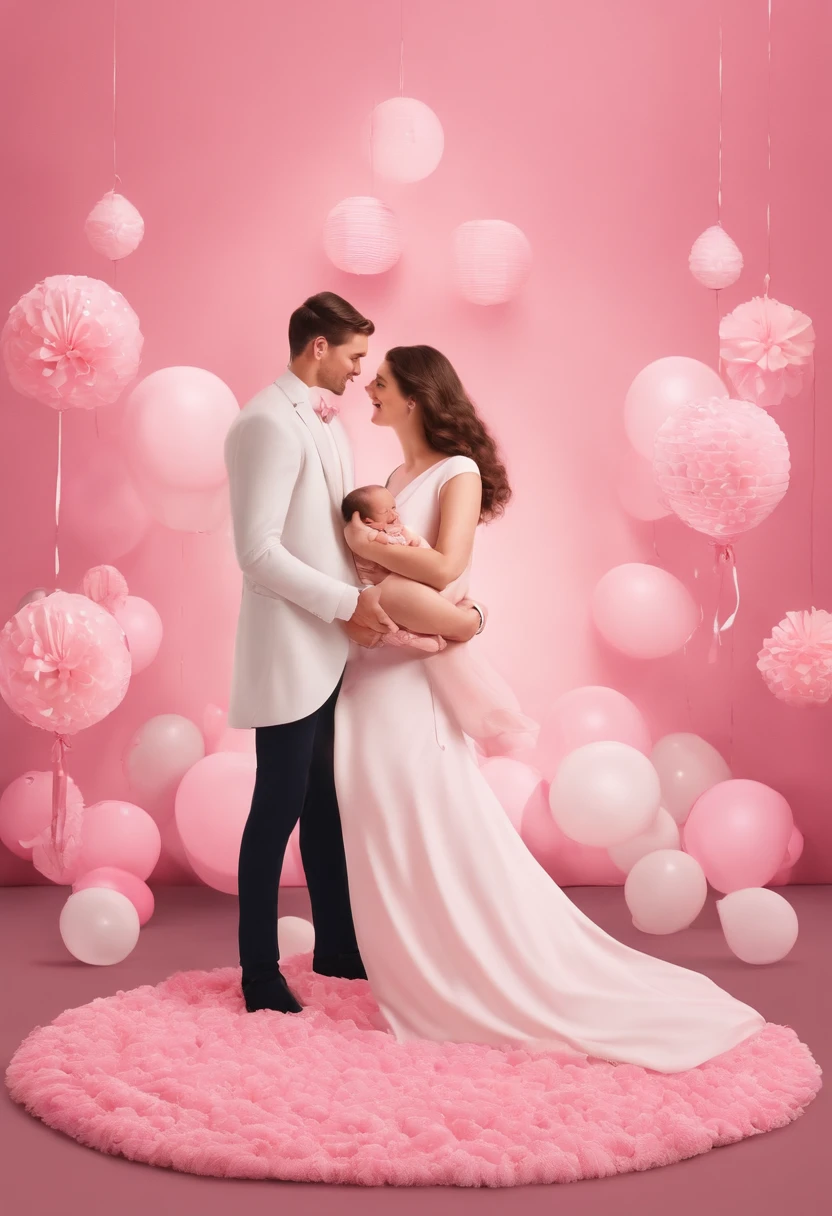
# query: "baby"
{"type": "Point", "coordinates": [441, 618]}
{"type": "Point", "coordinates": [474, 693]}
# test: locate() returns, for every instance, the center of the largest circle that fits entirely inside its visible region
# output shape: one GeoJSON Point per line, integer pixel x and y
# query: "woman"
{"type": "Point", "coordinates": [463, 935]}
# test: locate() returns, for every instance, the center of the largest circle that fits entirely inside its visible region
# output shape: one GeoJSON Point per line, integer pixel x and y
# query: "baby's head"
{"type": "Point", "coordinates": [375, 505]}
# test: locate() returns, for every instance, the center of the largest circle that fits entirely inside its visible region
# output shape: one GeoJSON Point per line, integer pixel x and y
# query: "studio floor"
{"type": "Point", "coordinates": [44, 1172]}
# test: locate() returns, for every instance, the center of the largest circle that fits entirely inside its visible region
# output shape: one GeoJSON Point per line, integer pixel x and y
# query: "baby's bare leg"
{"type": "Point", "coordinates": [421, 609]}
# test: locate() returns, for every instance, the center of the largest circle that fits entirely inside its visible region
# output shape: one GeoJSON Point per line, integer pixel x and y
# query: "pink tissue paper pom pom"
{"type": "Point", "coordinates": [114, 227]}
{"type": "Point", "coordinates": [715, 260]}
{"type": "Point", "coordinates": [64, 663]}
{"type": "Point", "coordinates": [722, 466]}
{"type": "Point", "coordinates": [71, 341]}
{"type": "Point", "coordinates": [106, 586]}
{"type": "Point", "coordinates": [796, 661]}
{"type": "Point", "coordinates": [766, 348]}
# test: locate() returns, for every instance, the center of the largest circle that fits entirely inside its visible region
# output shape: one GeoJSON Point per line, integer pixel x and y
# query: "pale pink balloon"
{"type": "Point", "coordinates": [760, 926]}
{"type": "Point", "coordinates": [37, 593]}
{"type": "Point", "coordinates": [794, 849]}
{"type": "Point", "coordinates": [663, 833]}
{"type": "Point", "coordinates": [236, 741]}
{"type": "Point", "coordinates": [643, 611]}
{"type": "Point", "coordinates": [26, 809]}
{"type": "Point", "coordinates": [739, 832]}
{"type": "Point", "coordinates": [569, 863]}
{"type": "Point", "coordinates": [119, 834]}
{"type": "Point", "coordinates": [294, 936]}
{"type": "Point", "coordinates": [99, 926]}
{"type": "Point", "coordinates": [292, 873]}
{"type": "Point", "coordinates": [175, 426]}
{"type": "Point", "coordinates": [604, 793]}
{"type": "Point", "coordinates": [665, 891]}
{"type": "Point", "coordinates": [687, 766]}
{"type": "Point", "coordinates": [184, 510]}
{"type": "Point", "coordinates": [513, 782]}
{"type": "Point", "coordinates": [214, 722]}
{"type": "Point", "coordinates": [636, 489]}
{"type": "Point", "coordinates": [143, 627]}
{"type": "Point", "coordinates": [138, 892]}
{"type": "Point", "coordinates": [100, 506]}
{"type": "Point", "coordinates": [158, 756]}
{"type": "Point", "coordinates": [659, 389]}
{"type": "Point", "coordinates": [590, 714]}
{"type": "Point", "coordinates": [212, 805]}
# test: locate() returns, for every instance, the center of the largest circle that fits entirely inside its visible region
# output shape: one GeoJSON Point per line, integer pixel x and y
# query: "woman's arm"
{"type": "Point", "coordinates": [460, 503]}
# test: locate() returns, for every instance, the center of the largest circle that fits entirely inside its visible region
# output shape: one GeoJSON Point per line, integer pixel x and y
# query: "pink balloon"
{"type": "Point", "coordinates": [570, 864]}
{"type": "Point", "coordinates": [37, 593]}
{"type": "Point", "coordinates": [739, 832]}
{"type": "Point", "coordinates": [184, 510]}
{"type": "Point", "coordinates": [212, 805]}
{"type": "Point", "coordinates": [138, 892]}
{"type": "Point", "coordinates": [659, 389]}
{"type": "Point", "coordinates": [26, 809]}
{"type": "Point", "coordinates": [605, 793]}
{"type": "Point", "coordinates": [723, 466]}
{"type": "Point", "coordinates": [637, 491]}
{"type": "Point", "coordinates": [119, 834]}
{"type": "Point", "coordinates": [590, 714]}
{"type": "Point", "coordinates": [644, 611]}
{"type": "Point", "coordinates": [100, 507]}
{"type": "Point", "coordinates": [175, 427]}
{"type": "Point", "coordinates": [143, 627]}
{"type": "Point", "coordinates": [236, 741]}
{"type": "Point", "coordinates": [514, 784]}
{"type": "Point", "coordinates": [64, 663]}
{"type": "Point", "coordinates": [72, 341]}
{"type": "Point", "coordinates": [158, 756]}
{"type": "Point", "coordinates": [760, 926]}
{"type": "Point", "coordinates": [794, 849]}
{"type": "Point", "coordinates": [214, 722]}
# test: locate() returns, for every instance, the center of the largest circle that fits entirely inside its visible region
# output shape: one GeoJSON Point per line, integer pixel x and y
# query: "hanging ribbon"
{"type": "Point", "coordinates": [725, 561]}
{"type": "Point", "coordinates": [58, 827]}
{"type": "Point", "coordinates": [58, 496]}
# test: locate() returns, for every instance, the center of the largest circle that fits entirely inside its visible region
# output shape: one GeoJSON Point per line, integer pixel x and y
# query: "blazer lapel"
{"type": "Point", "coordinates": [327, 451]}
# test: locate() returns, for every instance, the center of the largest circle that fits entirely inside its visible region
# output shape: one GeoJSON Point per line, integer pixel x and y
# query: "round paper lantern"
{"type": "Point", "coordinates": [491, 260]}
{"type": "Point", "coordinates": [658, 390]}
{"type": "Point", "coordinates": [722, 465]}
{"type": "Point", "coordinates": [643, 611]}
{"type": "Point", "coordinates": [766, 348]}
{"type": "Point", "coordinates": [796, 661]}
{"type": "Point", "coordinates": [361, 236]}
{"type": "Point", "coordinates": [175, 427]}
{"type": "Point", "coordinates": [406, 140]}
{"type": "Point", "coordinates": [715, 261]}
{"type": "Point", "coordinates": [71, 341]}
{"type": "Point", "coordinates": [114, 227]}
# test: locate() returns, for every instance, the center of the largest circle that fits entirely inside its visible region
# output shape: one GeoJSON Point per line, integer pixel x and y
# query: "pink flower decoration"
{"type": "Point", "coordinates": [114, 227]}
{"type": "Point", "coordinates": [106, 586]}
{"type": "Point", "coordinates": [324, 407]}
{"type": "Point", "coordinates": [766, 348]}
{"type": "Point", "coordinates": [64, 663]}
{"type": "Point", "coordinates": [71, 341]}
{"type": "Point", "coordinates": [722, 466]}
{"type": "Point", "coordinates": [715, 260]}
{"type": "Point", "coordinates": [796, 661]}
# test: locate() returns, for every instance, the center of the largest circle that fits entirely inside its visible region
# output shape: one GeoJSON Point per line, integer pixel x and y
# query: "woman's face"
{"type": "Point", "coordinates": [390, 408]}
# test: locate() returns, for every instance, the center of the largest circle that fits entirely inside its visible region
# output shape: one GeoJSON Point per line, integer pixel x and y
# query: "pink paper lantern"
{"type": "Point", "coordinates": [796, 661]}
{"type": "Point", "coordinates": [361, 236]}
{"type": "Point", "coordinates": [114, 227]}
{"type": "Point", "coordinates": [492, 259]}
{"type": "Point", "coordinates": [767, 348]}
{"type": "Point", "coordinates": [715, 260]}
{"type": "Point", "coordinates": [406, 140]}
{"type": "Point", "coordinates": [107, 586]}
{"type": "Point", "coordinates": [71, 341]}
{"type": "Point", "coordinates": [722, 465]}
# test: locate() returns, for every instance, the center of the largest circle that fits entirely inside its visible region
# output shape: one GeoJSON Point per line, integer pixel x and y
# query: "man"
{"type": "Point", "coordinates": [288, 472]}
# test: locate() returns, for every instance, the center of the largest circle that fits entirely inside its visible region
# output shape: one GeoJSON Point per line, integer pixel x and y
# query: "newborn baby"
{"type": "Point", "coordinates": [377, 508]}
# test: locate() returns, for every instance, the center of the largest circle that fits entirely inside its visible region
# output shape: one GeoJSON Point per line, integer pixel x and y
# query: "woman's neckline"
{"type": "Point", "coordinates": [418, 476]}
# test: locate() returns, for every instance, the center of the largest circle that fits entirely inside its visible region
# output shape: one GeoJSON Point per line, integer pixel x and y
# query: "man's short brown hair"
{"type": "Point", "coordinates": [325, 316]}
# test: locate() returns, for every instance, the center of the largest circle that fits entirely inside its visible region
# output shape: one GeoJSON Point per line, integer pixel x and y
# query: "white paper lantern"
{"type": "Point", "coordinates": [361, 236]}
{"type": "Point", "coordinates": [114, 227]}
{"type": "Point", "coordinates": [405, 139]}
{"type": "Point", "coordinates": [715, 260]}
{"type": "Point", "coordinates": [491, 260]}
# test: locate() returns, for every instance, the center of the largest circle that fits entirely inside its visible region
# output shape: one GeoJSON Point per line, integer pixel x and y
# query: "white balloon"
{"type": "Point", "coordinates": [158, 756]}
{"type": "Point", "coordinates": [687, 766]}
{"type": "Point", "coordinates": [663, 833]}
{"type": "Point", "coordinates": [294, 936]}
{"type": "Point", "coordinates": [99, 926]}
{"type": "Point", "coordinates": [760, 926]}
{"type": "Point", "coordinates": [604, 793]}
{"type": "Point", "coordinates": [665, 891]}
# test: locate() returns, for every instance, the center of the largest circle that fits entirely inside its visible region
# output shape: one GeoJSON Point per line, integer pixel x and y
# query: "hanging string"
{"type": "Point", "coordinates": [182, 618]}
{"type": "Point", "coordinates": [724, 560]}
{"type": "Point", "coordinates": [719, 171]}
{"type": "Point", "coordinates": [768, 141]}
{"type": "Point", "coordinates": [116, 178]}
{"type": "Point", "coordinates": [401, 48]}
{"type": "Point", "coordinates": [58, 496]}
{"type": "Point", "coordinates": [812, 479]}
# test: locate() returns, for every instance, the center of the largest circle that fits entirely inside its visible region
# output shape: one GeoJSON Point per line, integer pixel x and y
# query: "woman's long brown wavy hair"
{"type": "Point", "coordinates": [452, 425]}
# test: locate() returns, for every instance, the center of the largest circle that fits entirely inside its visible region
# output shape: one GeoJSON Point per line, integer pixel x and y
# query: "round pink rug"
{"type": "Point", "coordinates": [180, 1075]}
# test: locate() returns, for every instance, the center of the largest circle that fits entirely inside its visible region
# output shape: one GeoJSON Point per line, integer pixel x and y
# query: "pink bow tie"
{"type": "Point", "coordinates": [326, 410]}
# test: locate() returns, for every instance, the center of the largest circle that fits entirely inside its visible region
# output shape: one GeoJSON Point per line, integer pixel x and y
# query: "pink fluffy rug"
{"type": "Point", "coordinates": [180, 1076]}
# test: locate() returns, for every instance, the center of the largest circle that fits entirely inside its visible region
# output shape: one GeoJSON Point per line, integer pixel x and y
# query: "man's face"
{"type": "Point", "coordinates": [339, 365]}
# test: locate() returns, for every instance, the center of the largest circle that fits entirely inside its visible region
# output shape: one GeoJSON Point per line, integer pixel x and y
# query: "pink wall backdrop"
{"type": "Point", "coordinates": [593, 127]}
